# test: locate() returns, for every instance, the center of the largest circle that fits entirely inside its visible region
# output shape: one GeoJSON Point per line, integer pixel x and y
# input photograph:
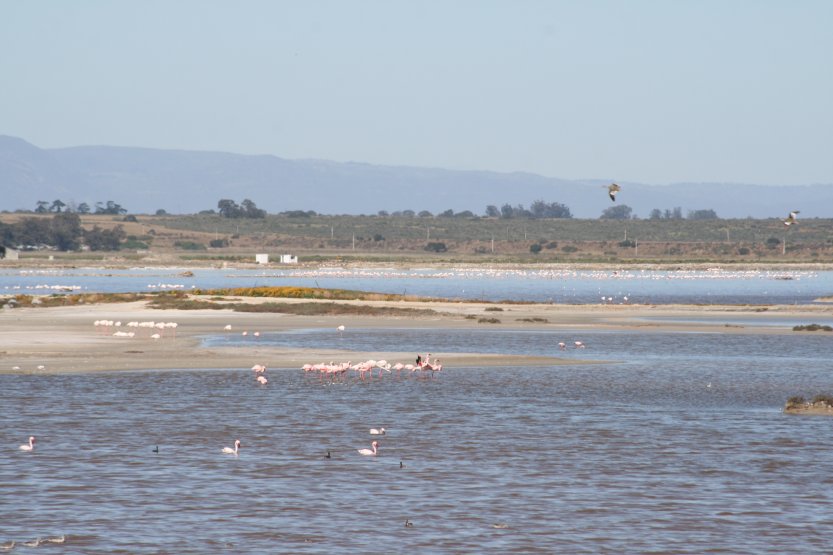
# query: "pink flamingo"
{"type": "Point", "coordinates": [230, 451]}
{"type": "Point", "coordinates": [579, 345]}
{"type": "Point", "coordinates": [259, 368]}
{"type": "Point", "coordinates": [30, 446]}
{"type": "Point", "coordinates": [562, 345]}
{"type": "Point", "coordinates": [262, 380]}
{"type": "Point", "coordinates": [371, 451]}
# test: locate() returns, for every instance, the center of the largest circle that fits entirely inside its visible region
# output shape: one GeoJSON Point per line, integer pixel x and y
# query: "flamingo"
{"type": "Point", "coordinates": [30, 446]}
{"type": "Point", "coordinates": [375, 432]}
{"type": "Point", "coordinates": [262, 380]}
{"type": "Point", "coordinates": [579, 344]}
{"type": "Point", "coordinates": [371, 451]}
{"type": "Point", "coordinates": [230, 451]}
{"type": "Point", "coordinates": [340, 329]}
{"type": "Point", "coordinates": [562, 345]}
{"type": "Point", "coordinates": [227, 327]}
{"type": "Point", "coordinates": [259, 368]}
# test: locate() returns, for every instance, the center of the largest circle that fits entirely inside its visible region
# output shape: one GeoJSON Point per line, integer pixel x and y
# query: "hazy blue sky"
{"type": "Point", "coordinates": [651, 91]}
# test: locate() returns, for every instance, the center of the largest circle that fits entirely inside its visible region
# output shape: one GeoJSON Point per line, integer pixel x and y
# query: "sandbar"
{"type": "Point", "coordinates": [64, 339]}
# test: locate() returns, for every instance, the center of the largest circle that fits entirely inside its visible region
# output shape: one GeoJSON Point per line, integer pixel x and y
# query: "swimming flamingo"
{"type": "Point", "coordinates": [262, 380]}
{"type": "Point", "coordinates": [30, 446]}
{"type": "Point", "coordinates": [230, 451]}
{"type": "Point", "coordinates": [371, 451]}
{"type": "Point", "coordinates": [375, 432]}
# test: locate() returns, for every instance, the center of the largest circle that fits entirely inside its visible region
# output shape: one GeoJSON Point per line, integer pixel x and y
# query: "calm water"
{"type": "Point", "coordinates": [554, 285]}
{"type": "Point", "coordinates": [641, 455]}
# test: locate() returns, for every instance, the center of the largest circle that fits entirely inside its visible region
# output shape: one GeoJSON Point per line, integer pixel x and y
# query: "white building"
{"type": "Point", "coordinates": [262, 258]}
{"type": "Point", "coordinates": [289, 259]}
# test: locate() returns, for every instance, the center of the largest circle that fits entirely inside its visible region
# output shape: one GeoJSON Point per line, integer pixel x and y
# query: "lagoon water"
{"type": "Point", "coordinates": [678, 445]}
{"type": "Point", "coordinates": [570, 286]}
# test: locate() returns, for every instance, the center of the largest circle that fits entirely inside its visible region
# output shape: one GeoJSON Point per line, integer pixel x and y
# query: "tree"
{"type": "Point", "coordinates": [447, 214]}
{"type": "Point", "coordinates": [57, 206]}
{"type": "Point", "coordinates": [41, 208]}
{"type": "Point", "coordinates": [425, 214]}
{"type": "Point", "coordinates": [656, 214]}
{"type": "Point", "coordinates": [619, 212]}
{"type": "Point", "coordinates": [83, 208]}
{"type": "Point", "coordinates": [702, 215]}
{"type": "Point", "coordinates": [506, 211]}
{"type": "Point", "coordinates": [492, 211]}
{"type": "Point", "coordinates": [250, 210]}
{"type": "Point", "coordinates": [66, 231]}
{"type": "Point", "coordinates": [161, 212]}
{"type": "Point", "coordinates": [110, 208]}
{"type": "Point", "coordinates": [383, 213]}
{"type": "Point", "coordinates": [535, 248]}
{"type": "Point", "coordinates": [228, 208]}
{"type": "Point", "coordinates": [104, 239]}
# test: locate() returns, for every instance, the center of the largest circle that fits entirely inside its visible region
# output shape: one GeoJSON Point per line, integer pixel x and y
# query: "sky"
{"type": "Point", "coordinates": [656, 92]}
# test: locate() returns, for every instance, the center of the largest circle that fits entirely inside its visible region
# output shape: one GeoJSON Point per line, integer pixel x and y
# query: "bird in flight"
{"type": "Point", "coordinates": [791, 219]}
{"type": "Point", "coordinates": [612, 189]}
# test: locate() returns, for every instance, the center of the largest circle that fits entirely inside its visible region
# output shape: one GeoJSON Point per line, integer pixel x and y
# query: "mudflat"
{"type": "Point", "coordinates": [65, 339]}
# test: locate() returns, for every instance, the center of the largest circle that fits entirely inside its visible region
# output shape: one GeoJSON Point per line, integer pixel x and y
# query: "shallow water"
{"type": "Point", "coordinates": [554, 285]}
{"type": "Point", "coordinates": [681, 447]}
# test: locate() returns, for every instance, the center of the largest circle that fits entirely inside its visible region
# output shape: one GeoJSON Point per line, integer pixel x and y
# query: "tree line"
{"type": "Point", "coordinates": [58, 206]}
{"type": "Point", "coordinates": [539, 209]}
{"type": "Point", "coordinates": [62, 232]}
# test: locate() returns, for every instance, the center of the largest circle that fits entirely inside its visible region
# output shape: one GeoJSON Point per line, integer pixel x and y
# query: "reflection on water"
{"type": "Point", "coordinates": [680, 448]}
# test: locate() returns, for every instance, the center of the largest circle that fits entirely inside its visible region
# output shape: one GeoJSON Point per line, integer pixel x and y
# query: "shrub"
{"type": "Point", "coordinates": [569, 248]}
{"type": "Point", "coordinates": [493, 309]}
{"type": "Point", "coordinates": [823, 398]}
{"type": "Point", "coordinates": [535, 248]}
{"type": "Point", "coordinates": [743, 251]}
{"type": "Point", "coordinates": [189, 246]}
{"type": "Point", "coordinates": [812, 327]}
{"type": "Point", "coordinates": [218, 243]}
{"type": "Point", "coordinates": [436, 247]}
{"type": "Point", "coordinates": [488, 321]}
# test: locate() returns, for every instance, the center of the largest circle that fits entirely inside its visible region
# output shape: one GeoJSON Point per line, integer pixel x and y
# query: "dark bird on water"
{"type": "Point", "coordinates": [156, 449]}
{"type": "Point", "coordinates": [328, 455]}
{"type": "Point", "coordinates": [401, 465]}
{"type": "Point", "coordinates": [408, 524]}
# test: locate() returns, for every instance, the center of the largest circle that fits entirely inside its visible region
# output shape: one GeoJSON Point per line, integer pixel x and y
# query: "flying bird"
{"type": "Point", "coordinates": [791, 219]}
{"type": "Point", "coordinates": [612, 189]}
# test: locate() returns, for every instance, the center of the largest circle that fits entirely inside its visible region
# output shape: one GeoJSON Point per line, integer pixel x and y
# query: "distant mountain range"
{"type": "Point", "coordinates": [143, 180]}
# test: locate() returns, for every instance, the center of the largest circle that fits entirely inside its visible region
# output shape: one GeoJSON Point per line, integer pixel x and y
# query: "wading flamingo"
{"type": "Point", "coordinates": [230, 451]}
{"type": "Point", "coordinates": [30, 446]}
{"type": "Point", "coordinates": [371, 451]}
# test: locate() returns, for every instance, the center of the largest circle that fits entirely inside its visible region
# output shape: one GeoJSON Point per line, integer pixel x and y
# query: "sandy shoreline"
{"type": "Point", "coordinates": [64, 339]}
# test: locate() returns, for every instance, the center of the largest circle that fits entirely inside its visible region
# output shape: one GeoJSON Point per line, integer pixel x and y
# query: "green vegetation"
{"type": "Point", "coordinates": [488, 321]}
{"type": "Point", "coordinates": [307, 293]}
{"type": "Point", "coordinates": [812, 327]}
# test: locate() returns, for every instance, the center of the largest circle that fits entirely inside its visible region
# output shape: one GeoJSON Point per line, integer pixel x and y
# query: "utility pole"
{"type": "Point", "coordinates": [332, 232]}
{"type": "Point", "coordinates": [427, 233]}
{"type": "Point", "coordinates": [636, 248]}
{"type": "Point", "coordinates": [493, 244]}
{"type": "Point", "coordinates": [354, 241]}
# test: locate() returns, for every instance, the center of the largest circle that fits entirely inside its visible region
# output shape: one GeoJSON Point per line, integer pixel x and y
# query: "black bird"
{"type": "Point", "coordinates": [408, 524]}
{"type": "Point", "coordinates": [328, 455]}
{"type": "Point", "coordinates": [156, 449]}
{"type": "Point", "coordinates": [401, 465]}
